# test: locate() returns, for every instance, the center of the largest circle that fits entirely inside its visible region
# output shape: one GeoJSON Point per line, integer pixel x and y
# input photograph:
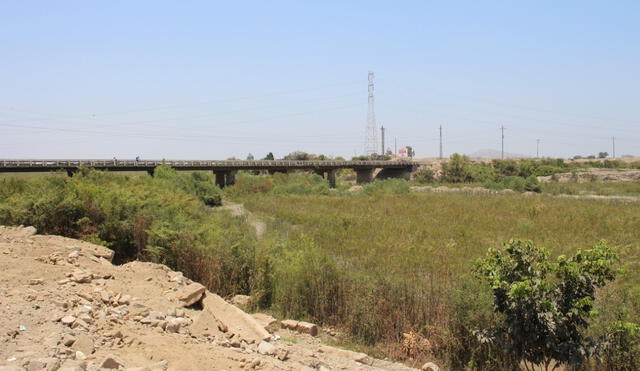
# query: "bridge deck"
{"type": "Point", "coordinates": [142, 165]}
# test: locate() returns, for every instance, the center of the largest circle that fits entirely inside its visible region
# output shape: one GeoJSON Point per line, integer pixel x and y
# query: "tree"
{"type": "Point", "coordinates": [269, 156]}
{"type": "Point", "coordinates": [545, 305]}
{"type": "Point", "coordinates": [410, 151]}
{"type": "Point", "coordinates": [603, 154]}
{"type": "Point", "coordinates": [250, 157]}
{"type": "Point", "coordinates": [455, 170]}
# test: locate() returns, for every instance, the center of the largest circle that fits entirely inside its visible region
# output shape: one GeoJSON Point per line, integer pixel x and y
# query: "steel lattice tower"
{"type": "Point", "coordinates": [370, 142]}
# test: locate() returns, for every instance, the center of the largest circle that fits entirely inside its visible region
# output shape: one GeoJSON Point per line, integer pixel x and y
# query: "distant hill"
{"type": "Point", "coordinates": [491, 153]}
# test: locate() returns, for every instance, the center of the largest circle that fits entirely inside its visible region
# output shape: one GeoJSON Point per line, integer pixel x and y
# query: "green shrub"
{"type": "Point", "coordinates": [425, 175]}
{"type": "Point", "coordinates": [546, 306]}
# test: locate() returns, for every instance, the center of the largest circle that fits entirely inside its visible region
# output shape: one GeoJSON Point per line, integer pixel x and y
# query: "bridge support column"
{"type": "Point", "coordinates": [220, 178]}
{"type": "Point", "coordinates": [331, 177]}
{"type": "Point", "coordinates": [402, 173]}
{"type": "Point", "coordinates": [230, 178]}
{"type": "Point", "coordinates": [364, 175]}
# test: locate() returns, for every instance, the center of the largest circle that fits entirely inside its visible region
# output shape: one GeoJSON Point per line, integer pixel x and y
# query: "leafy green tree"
{"type": "Point", "coordinates": [269, 156]}
{"type": "Point", "coordinates": [545, 305]}
{"type": "Point", "coordinates": [454, 170]}
{"type": "Point", "coordinates": [603, 154]}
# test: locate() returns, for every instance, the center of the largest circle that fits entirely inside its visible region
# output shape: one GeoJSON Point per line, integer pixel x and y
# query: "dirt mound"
{"type": "Point", "coordinates": [65, 306]}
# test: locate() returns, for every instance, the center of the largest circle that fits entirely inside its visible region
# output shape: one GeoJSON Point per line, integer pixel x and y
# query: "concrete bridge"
{"type": "Point", "coordinates": [224, 170]}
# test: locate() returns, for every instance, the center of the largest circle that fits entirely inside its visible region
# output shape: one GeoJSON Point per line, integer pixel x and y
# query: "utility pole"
{"type": "Point", "coordinates": [382, 136]}
{"type": "Point", "coordinates": [537, 148]}
{"type": "Point", "coordinates": [395, 146]}
{"type": "Point", "coordinates": [441, 142]}
{"type": "Point", "coordinates": [613, 139]}
{"type": "Point", "coordinates": [502, 150]}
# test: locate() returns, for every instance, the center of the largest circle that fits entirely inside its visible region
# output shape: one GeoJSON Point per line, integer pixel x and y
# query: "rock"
{"type": "Point", "coordinates": [80, 356]}
{"type": "Point", "coordinates": [84, 344]}
{"type": "Point", "coordinates": [73, 365]}
{"type": "Point", "coordinates": [124, 299]}
{"type": "Point", "coordinates": [81, 277]}
{"type": "Point", "coordinates": [112, 362]}
{"type": "Point", "coordinates": [266, 348]}
{"type": "Point", "coordinates": [105, 296]}
{"type": "Point", "coordinates": [173, 325]}
{"type": "Point", "coordinates": [48, 364]}
{"type": "Point", "coordinates": [36, 281]}
{"type": "Point", "coordinates": [307, 328]}
{"type": "Point", "coordinates": [68, 320]}
{"type": "Point", "coordinates": [191, 294]}
{"type": "Point", "coordinates": [68, 340]}
{"type": "Point", "coordinates": [28, 231]}
{"type": "Point", "coordinates": [430, 366]}
{"type": "Point", "coordinates": [355, 188]}
{"type": "Point", "coordinates": [282, 354]}
{"type": "Point", "coordinates": [268, 322]}
{"type": "Point", "coordinates": [289, 324]}
{"type": "Point", "coordinates": [241, 300]}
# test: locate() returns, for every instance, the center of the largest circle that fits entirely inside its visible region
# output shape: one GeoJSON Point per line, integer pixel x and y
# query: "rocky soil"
{"type": "Point", "coordinates": [64, 306]}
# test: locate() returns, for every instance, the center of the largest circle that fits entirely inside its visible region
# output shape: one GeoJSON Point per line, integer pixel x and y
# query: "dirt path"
{"type": "Point", "coordinates": [238, 210]}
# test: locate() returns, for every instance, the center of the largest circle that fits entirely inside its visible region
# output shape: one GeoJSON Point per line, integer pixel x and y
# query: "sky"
{"type": "Point", "coordinates": [214, 80]}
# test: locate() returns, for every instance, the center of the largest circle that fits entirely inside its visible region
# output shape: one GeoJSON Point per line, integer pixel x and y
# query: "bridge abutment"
{"type": "Point", "coordinates": [364, 176]}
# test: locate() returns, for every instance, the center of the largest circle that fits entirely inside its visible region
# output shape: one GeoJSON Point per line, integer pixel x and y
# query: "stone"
{"type": "Point", "coordinates": [266, 348]}
{"type": "Point", "coordinates": [268, 322]}
{"type": "Point", "coordinates": [289, 324]}
{"type": "Point", "coordinates": [307, 328]}
{"type": "Point", "coordinates": [173, 325]}
{"type": "Point", "coordinates": [68, 340]}
{"type": "Point", "coordinates": [80, 355]}
{"type": "Point", "coordinates": [430, 366]}
{"type": "Point", "coordinates": [73, 365]}
{"type": "Point", "coordinates": [111, 362]}
{"type": "Point", "coordinates": [43, 364]}
{"type": "Point", "coordinates": [241, 300]}
{"type": "Point", "coordinates": [105, 296]}
{"type": "Point", "coordinates": [81, 277]}
{"type": "Point", "coordinates": [36, 281]}
{"type": "Point", "coordinates": [124, 299]}
{"type": "Point", "coordinates": [191, 294]}
{"type": "Point", "coordinates": [282, 354]}
{"type": "Point", "coordinates": [68, 320]}
{"type": "Point", "coordinates": [84, 344]}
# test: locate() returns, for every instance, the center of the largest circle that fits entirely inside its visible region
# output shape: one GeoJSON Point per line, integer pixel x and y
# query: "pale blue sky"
{"type": "Point", "coordinates": [210, 80]}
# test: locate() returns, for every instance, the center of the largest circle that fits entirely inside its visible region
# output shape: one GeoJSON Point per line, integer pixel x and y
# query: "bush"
{"type": "Point", "coordinates": [425, 175]}
{"type": "Point", "coordinates": [546, 306]}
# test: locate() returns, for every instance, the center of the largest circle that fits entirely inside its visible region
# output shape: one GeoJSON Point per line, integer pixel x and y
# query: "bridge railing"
{"type": "Point", "coordinates": [11, 163]}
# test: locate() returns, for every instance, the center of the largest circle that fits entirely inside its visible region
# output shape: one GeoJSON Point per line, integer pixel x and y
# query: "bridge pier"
{"type": "Point", "coordinates": [225, 178]}
{"type": "Point", "coordinates": [403, 173]}
{"type": "Point", "coordinates": [220, 181]}
{"type": "Point", "coordinates": [330, 176]}
{"type": "Point", "coordinates": [230, 178]}
{"type": "Point", "coordinates": [364, 176]}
